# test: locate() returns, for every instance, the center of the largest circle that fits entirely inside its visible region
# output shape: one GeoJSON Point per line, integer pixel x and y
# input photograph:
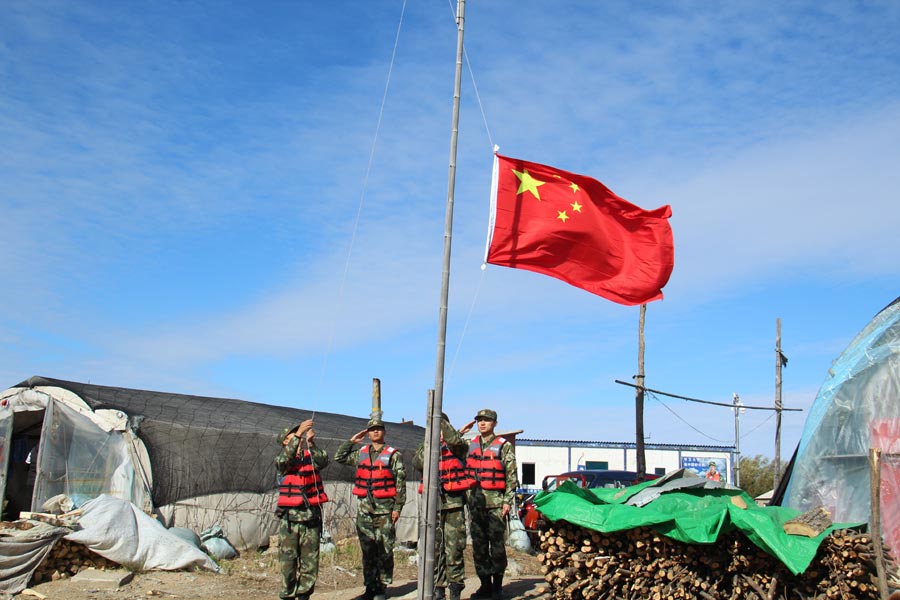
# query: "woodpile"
{"type": "Point", "coordinates": [66, 559]}
{"type": "Point", "coordinates": [582, 564]}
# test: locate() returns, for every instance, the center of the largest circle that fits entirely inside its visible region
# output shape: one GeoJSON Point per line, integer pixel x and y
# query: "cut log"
{"type": "Point", "coordinates": [810, 523]}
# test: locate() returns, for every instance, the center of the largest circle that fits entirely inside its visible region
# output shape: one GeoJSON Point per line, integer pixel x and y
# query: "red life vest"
{"type": "Point", "coordinates": [375, 475]}
{"type": "Point", "coordinates": [302, 485]}
{"type": "Point", "coordinates": [455, 477]}
{"type": "Point", "coordinates": [485, 466]}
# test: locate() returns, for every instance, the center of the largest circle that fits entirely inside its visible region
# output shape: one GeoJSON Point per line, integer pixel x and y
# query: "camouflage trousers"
{"type": "Point", "coordinates": [376, 540]}
{"type": "Point", "coordinates": [450, 545]}
{"type": "Point", "coordinates": [488, 540]}
{"type": "Point", "coordinates": [299, 556]}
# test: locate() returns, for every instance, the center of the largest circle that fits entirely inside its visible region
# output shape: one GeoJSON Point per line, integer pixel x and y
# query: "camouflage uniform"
{"type": "Point", "coordinates": [300, 529]}
{"type": "Point", "coordinates": [487, 525]}
{"type": "Point", "coordinates": [450, 542]}
{"type": "Point", "coordinates": [374, 524]}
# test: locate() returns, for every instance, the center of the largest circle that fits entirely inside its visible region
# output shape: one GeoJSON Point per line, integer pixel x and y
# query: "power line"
{"type": "Point", "coordinates": [646, 389]}
{"type": "Point", "coordinates": [680, 418]}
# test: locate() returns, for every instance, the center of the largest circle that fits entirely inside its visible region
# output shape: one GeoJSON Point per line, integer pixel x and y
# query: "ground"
{"type": "Point", "coordinates": [257, 575]}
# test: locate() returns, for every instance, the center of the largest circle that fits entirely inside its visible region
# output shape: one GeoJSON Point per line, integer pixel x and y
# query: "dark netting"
{"type": "Point", "coordinates": [199, 445]}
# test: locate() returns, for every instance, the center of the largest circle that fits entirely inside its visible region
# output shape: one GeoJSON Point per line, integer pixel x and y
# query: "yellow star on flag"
{"type": "Point", "coordinates": [527, 183]}
{"type": "Point", "coordinates": [575, 206]}
{"type": "Point", "coordinates": [562, 216]}
{"type": "Point", "coordinates": [574, 187]}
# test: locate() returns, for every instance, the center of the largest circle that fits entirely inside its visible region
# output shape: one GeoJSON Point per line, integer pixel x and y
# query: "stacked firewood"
{"type": "Point", "coordinates": [582, 564]}
{"type": "Point", "coordinates": [66, 559]}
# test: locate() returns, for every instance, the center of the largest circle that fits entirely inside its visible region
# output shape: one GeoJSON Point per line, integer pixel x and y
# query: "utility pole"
{"type": "Point", "coordinates": [641, 467]}
{"type": "Point", "coordinates": [736, 467]}
{"type": "Point", "coordinates": [778, 405]}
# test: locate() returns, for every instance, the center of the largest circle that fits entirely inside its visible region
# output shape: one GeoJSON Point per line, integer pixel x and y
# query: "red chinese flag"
{"type": "Point", "coordinates": [576, 229]}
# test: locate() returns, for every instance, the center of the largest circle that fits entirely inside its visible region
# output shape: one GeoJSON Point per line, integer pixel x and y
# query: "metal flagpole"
{"type": "Point", "coordinates": [426, 589]}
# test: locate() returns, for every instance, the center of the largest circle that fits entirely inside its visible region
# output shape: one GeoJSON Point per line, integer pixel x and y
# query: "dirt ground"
{"type": "Point", "coordinates": [257, 575]}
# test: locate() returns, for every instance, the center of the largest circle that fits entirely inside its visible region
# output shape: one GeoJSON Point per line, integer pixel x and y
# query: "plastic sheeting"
{"type": "Point", "coordinates": [82, 461]}
{"type": "Point", "coordinates": [857, 408]}
{"type": "Point", "coordinates": [119, 531]}
{"type": "Point", "coordinates": [689, 514]}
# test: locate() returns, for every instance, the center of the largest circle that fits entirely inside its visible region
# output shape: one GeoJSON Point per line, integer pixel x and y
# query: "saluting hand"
{"type": "Point", "coordinates": [467, 427]}
{"type": "Point", "coordinates": [359, 436]}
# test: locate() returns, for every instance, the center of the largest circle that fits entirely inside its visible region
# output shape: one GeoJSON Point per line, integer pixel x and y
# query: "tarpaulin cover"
{"type": "Point", "coordinates": [857, 408]}
{"type": "Point", "coordinates": [22, 550]}
{"type": "Point", "coordinates": [690, 514]}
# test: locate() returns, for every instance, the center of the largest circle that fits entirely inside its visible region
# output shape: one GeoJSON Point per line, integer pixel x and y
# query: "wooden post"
{"type": "Point", "coordinates": [778, 404]}
{"type": "Point", "coordinates": [875, 521]}
{"type": "Point", "coordinates": [641, 467]}
{"type": "Point", "coordinates": [736, 467]}
{"type": "Point", "coordinates": [429, 515]}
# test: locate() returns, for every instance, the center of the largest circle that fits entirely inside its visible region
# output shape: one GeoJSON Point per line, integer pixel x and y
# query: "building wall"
{"type": "Point", "coordinates": [548, 457]}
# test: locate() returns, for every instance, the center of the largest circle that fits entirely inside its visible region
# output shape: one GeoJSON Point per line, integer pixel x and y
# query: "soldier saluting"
{"type": "Point", "coordinates": [492, 461]}
{"type": "Point", "coordinates": [380, 485]}
{"type": "Point", "coordinates": [300, 498]}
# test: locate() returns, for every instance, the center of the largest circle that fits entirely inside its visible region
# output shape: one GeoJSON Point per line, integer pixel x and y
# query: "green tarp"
{"type": "Point", "coordinates": [693, 515]}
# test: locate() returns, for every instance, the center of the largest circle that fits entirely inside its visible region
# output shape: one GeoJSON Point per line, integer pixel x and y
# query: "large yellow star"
{"type": "Point", "coordinates": [575, 206]}
{"type": "Point", "coordinates": [562, 216]}
{"type": "Point", "coordinates": [527, 183]}
{"type": "Point", "coordinates": [574, 187]}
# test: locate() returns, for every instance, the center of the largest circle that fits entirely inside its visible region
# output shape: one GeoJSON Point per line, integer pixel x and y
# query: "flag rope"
{"type": "Point", "coordinates": [362, 198]}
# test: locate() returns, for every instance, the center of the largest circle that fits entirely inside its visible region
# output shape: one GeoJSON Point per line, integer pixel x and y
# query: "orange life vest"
{"type": "Point", "coordinates": [455, 477]}
{"type": "Point", "coordinates": [374, 474]}
{"type": "Point", "coordinates": [485, 466]}
{"type": "Point", "coordinates": [302, 485]}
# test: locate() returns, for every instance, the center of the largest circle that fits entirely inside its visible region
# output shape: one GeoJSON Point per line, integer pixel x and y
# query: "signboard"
{"type": "Point", "coordinates": [708, 467]}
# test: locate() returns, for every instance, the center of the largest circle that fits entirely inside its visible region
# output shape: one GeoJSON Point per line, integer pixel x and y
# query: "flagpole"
{"type": "Point", "coordinates": [641, 466]}
{"type": "Point", "coordinates": [426, 590]}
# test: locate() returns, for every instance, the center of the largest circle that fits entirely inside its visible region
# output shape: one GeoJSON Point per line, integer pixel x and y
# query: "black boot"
{"type": "Point", "coordinates": [367, 595]}
{"type": "Point", "coordinates": [438, 594]}
{"type": "Point", "coordinates": [497, 587]}
{"type": "Point", "coordinates": [485, 590]}
{"type": "Point", "coordinates": [455, 591]}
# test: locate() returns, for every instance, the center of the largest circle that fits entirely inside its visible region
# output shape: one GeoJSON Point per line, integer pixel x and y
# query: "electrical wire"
{"type": "Point", "coordinates": [680, 418]}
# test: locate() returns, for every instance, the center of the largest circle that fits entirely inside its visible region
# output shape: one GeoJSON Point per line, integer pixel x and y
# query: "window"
{"type": "Point", "coordinates": [596, 465]}
{"type": "Point", "coordinates": [527, 473]}
{"type": "Point", "coordinates": [659, 471]}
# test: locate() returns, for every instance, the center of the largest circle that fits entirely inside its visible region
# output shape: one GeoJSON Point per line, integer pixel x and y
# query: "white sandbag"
{"type": "Point", "coordinates": [121, 532]}
{"type": "Point", "coordinates": [516, 536]}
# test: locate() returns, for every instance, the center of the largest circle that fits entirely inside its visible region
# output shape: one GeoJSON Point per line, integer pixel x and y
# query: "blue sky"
{"type": "Point", "coordinates": [195, 200]}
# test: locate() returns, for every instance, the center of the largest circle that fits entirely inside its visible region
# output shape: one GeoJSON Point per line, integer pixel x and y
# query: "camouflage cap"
{"type": "Point", "coordinates": [284, 433]}
{"type": "Point", "coordinates": [373, 423]}
{"type": "Point", "coordinates": [486, 413]}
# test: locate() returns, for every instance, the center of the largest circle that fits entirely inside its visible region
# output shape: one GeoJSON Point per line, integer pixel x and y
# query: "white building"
{"type": "Point", "coordinates": [540, 458]}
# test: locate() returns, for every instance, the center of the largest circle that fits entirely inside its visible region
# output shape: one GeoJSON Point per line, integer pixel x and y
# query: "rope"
{"type": "Point", "coordinates": [362, 198]}
{"type": "Point", "coordinates": [462, 336]}
{"type": "Point", "coordinates": [487, 130]}
{"type": "Point", "coordinates": [474, 86]}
